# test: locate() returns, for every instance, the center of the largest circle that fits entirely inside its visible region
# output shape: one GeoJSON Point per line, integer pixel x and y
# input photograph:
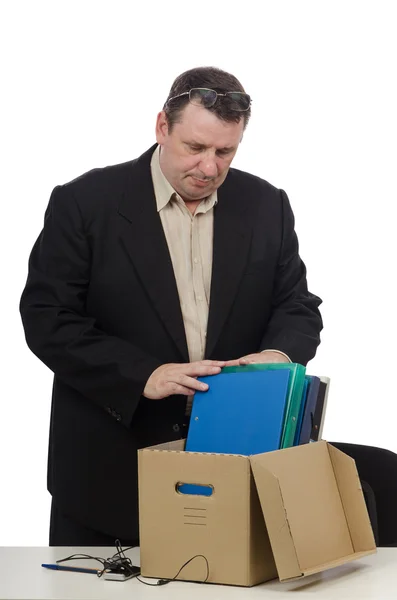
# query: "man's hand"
{"type": "Point", "coordinates": [174, 378]}
{"type": "Point", "coordinates": [260, 357]}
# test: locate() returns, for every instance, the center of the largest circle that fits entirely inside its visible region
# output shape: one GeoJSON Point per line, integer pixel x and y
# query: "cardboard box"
{"type": "Point", "coordinates": [288, 513]}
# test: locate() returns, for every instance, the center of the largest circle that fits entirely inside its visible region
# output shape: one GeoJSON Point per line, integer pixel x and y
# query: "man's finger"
{"type": "Point", "coordinates": [213, 363]}
{"type": "Point", "coordinates": [197, 370]}
{"type": "Point", "coordinates": [232, 363]}
{"type": "Point", "coordinates": [191, 383]}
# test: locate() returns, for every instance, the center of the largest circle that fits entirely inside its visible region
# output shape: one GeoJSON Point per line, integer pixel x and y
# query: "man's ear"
{"type": "Point", "coordinates": [161, 128]}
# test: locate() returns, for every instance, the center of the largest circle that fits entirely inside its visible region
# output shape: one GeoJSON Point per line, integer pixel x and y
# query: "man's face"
{"type": "Point", "coordinates": [195, 157]}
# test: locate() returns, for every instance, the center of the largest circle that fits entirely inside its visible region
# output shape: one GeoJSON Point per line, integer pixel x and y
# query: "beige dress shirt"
{"type": "Point", "coordinates": [189, 238]}
{"type": "Point", "coordinates": [190, 241]}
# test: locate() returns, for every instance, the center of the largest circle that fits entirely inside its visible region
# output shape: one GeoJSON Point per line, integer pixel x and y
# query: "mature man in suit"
{"type": "Point", "coordinates": [146, 275]}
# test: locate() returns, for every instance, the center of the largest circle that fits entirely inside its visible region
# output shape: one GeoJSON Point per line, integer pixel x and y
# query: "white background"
{"type": "Point", "coordinates": [82, 83]}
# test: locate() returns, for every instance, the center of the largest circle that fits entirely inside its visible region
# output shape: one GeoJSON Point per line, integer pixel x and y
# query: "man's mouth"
{"type": "Point", "coordinates": [201, 182]}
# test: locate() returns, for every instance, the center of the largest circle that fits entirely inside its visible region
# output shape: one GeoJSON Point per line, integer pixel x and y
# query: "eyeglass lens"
{"type": "Point", "coordinates": [206, 97]}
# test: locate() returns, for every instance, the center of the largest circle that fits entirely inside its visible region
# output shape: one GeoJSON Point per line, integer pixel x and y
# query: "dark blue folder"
{"type": "Point", "coordinates": [241, 413]}
{"type": "Point", "coordinates": [319, 412]}
{"type": "Point", "coordinates": [308, 416]}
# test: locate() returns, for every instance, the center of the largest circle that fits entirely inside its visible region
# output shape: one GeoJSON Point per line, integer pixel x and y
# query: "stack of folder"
{"type": "Point", "coordinates": [257, 408]}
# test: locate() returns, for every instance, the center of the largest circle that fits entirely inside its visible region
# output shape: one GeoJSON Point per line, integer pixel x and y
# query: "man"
{"type": "Point", "coordinates": [145, 276]}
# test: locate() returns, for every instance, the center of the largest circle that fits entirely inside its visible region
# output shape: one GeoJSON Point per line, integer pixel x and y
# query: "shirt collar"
{"type": "Point", "coordinates": [164, 191]}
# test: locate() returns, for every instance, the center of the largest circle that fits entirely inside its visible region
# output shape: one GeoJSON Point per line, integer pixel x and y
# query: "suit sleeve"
{"type": "Point", "coordinates": [105, 369]}
{"type": "Point", "coordinates": [295, 323]}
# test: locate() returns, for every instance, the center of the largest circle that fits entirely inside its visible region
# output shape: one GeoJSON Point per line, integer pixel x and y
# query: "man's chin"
{"type": "Point", "coordinates": [192, 195]}
{"type": "Point", "coordinates": [195, 197]}
{"type": "Point", "coordinates": [197, 192]}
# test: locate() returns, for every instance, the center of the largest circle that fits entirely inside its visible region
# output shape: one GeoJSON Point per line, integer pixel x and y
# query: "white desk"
{"type": "Point", "coordinates": [23, 578]}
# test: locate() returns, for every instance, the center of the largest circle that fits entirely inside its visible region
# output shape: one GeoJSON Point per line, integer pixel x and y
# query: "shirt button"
{"type": "Point", "coordinates": [199, 298]}
{"type": "Point", "coordinates": [195, 261]}
{"type": "Point", "coordinates": [176, 427]}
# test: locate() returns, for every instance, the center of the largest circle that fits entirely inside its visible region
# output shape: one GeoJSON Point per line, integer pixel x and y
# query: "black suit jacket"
{"type": "Point", "coordinates": [101, 310]}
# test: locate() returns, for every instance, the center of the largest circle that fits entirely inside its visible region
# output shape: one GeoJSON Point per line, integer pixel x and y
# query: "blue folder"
{"type": "Point", "coordinates": [240, 413]}
{"type": "Point", "coordinates": [294, 401]}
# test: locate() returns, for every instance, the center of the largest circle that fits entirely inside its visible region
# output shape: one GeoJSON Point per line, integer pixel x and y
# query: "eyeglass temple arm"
{"type": "Point", "coordinates": [178, 96]}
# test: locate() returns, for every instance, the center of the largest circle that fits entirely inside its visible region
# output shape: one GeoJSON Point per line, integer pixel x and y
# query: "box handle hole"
{"type": "Point", "coordinates": [194, 489]}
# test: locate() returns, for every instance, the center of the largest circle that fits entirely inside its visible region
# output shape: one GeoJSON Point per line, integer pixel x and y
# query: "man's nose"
{"type": "Point", "coordinates": [208, 167]}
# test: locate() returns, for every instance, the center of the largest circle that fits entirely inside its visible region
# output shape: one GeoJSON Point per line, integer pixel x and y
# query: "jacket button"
{"type": "Point", "coordinates": [176, 427]}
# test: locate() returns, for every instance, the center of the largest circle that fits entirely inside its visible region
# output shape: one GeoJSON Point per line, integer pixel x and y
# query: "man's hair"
{"type": "Point", "coordinates": [204, 77]}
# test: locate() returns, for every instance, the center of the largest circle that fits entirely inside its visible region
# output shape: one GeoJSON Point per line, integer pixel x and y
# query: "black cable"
{"type": "Point", "coordinates": [120, 563]}
{"type": "Point", "coordinates": [165, 581]}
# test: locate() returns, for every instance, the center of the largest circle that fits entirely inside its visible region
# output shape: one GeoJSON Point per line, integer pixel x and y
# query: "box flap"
{"type": "Point", "coordinates": [300, 482]}
{"type": "Point", "coordinates": [331, 565]}
{"type": "Point", "coordinates": [353, 500]}
{"type": "Point", "coordinates": [276, 520]}
{"type": "Point", "coordinates": [337, 563]}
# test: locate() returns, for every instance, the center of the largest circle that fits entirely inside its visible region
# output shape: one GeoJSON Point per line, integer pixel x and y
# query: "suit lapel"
{"type": "Point", "coordinates": [232, 239]}
{"type": "Point", "coordinates": [143, 238]}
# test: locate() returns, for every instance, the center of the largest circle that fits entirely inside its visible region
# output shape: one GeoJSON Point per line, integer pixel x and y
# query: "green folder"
{"type": "Point", "coordinates": [295, 392]}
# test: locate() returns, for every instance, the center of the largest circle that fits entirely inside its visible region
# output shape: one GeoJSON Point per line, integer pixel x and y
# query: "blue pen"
{"type": "Point", "coordinates": [75, 569]}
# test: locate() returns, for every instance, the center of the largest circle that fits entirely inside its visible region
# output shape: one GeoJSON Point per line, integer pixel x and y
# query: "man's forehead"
{"type": "Point", "coordinates": [204, 127]}
{"type": "Point", "coordinates": [211, 135]}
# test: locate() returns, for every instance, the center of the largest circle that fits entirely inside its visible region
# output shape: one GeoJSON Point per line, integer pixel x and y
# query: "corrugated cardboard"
{"type": "Point", "coordinates": [287, 513]}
